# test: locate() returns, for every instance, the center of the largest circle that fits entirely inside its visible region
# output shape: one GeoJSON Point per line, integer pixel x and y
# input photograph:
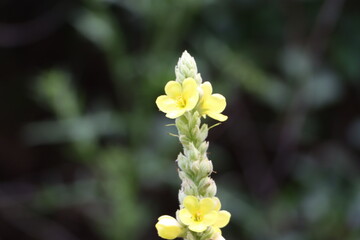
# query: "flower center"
{"type": "Point", "coordinates": [198, 217]}
{"type": "Point", "coordinates": [181, 102]}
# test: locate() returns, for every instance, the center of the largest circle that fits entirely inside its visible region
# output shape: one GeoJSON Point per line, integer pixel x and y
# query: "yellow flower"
{"type": "Point", "coordinates": [212, 104]}
{"type": "Point", "coordinates": [179, 98]}
{"type": "Point", "coordinates": [198, 215]}
{"type": "Point", "coordinates": [168, 227]}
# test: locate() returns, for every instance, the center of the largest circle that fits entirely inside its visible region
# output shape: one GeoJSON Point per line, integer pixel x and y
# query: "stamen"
{"type": "Point", "coordinates": [198, 217]}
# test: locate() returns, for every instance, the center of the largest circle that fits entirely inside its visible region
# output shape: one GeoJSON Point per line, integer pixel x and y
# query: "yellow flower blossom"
{"type": "Point", "coordinates": [168, 227]}
{"type": "Point", "coordinates": [197, 214]}
{"type": "Point", "coordinates": [179, 98]}
{"type": "Point", "coordinates": [212, 104]}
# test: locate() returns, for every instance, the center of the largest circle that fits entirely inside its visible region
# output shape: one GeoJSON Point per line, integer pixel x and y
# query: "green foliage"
{"type": "Point", "coordinates": [287, 158]}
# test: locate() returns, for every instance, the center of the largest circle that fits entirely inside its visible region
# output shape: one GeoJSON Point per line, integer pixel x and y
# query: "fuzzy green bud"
{"type": "Point", "coordinates": [186, 67]}
{"type": "Point", "coordinates": [207, 187]}
{"type": "Point", "coordinates": [206, 168]}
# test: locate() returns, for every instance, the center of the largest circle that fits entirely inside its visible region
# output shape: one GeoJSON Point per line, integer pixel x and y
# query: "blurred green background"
{"type": "Point", "coordinates": [85, 153]}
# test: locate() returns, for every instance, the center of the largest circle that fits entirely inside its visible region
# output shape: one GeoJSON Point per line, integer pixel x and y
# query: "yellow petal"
{"type": "Point", "coordinates": [189, 88]}
{"type": "Point", "coordinates": [191, 203]}
{"type": "Point", "coordinates": [199, 227]}
{"type": "Point", "coordinates": [214, 103]}
{"type": "Point", "coordinates": [168, 227]}
{"type": "Point", "coordinates": [173, 89]}
{"type": "Point", "coordinates": [222, 219]}
{"type": "Point", "coordinates": [175, 113]}
{"type": "Point", "coordinates": [206, 205]}
{"type": "Point", "coordinates": [217, 116]}
{"type": "Point", "coordinates": [167, 218]}
{"type": "Point", "coordinates": [207, 88]}
{"type": "Point", "coordinates": [186, 217]}
{"type": "Point", "coordinates": [210, 218]}
{"type": "Point", "coordinates": [166, 104]}
{"type": "Point", "coordinates": [216, 230]}
{"type": "Point", "coordinates": [217, 203]}
{"type": "Point", "coordinates": [191, 102]}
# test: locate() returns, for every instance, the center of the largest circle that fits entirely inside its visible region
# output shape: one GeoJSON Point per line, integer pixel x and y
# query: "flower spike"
{"type": "Point", "coordinates": [187, 100]}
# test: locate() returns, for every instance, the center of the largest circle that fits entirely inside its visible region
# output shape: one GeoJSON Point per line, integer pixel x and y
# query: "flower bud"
{"type": "Point", "coordinates": [206, 167]}
{"type": "Point", "coordinates": [193, 153]}
{"type": "Point", "coordinates": [195, 166]}
{"type": "Point", "coordinates": [181, 196]}
{"type": "Point", "coordinates": [168, 227]}
{"type": "Point", "coordinates": [186, 67]}
{"type": "Point", "coordinates": [204, 132]}
{"type": "Point", "coordinates": [203, 148]}
{"type": "Point", "coordinates": [182, 162]}
{"type": "Point", "coordinates": [207, 187]}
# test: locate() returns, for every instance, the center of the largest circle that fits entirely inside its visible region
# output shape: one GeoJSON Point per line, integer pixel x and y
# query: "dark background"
{"type": "Point", "coordinates": [85, 153]}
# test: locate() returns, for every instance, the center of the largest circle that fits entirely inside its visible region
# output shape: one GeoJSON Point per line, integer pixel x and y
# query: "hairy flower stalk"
{"type": "Point", "coordinates": [187, 100]}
